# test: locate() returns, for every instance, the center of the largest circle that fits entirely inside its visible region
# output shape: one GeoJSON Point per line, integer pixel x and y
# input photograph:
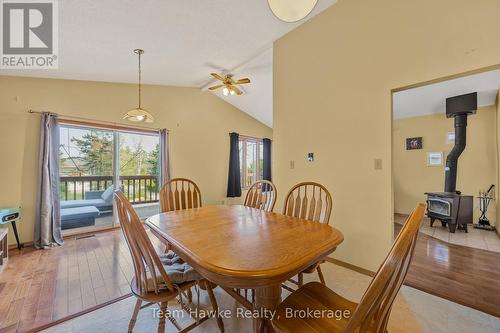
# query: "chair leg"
{"type": "Point", "coordinates": [131, 325]}
{"type": "Point", "coordinates": [189, 295]}
{"type": "Point", "coordinates": [301, 280]}
{"type": "Point", "coordinates": [215, 306]}
{"type": "Point", "coordinates": [163, 315]}
{"type": "Point", "coordinates": [320, 274]}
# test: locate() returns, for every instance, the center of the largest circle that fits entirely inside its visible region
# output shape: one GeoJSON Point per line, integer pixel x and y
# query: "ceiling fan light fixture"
{"type": "Point", "coordinates": [225, 91]}
{"type": "Point", "coordinates": [139, 115]}
{"type": "Point", "coordinates": [291, 10]}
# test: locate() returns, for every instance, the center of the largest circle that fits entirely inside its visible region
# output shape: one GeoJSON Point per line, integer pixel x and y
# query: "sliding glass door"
{"type": "Point", "coordinates": [86, 177]}
{"type": "Point", "coordinates": [94, 162]}
{"type": "Point", "coordinates": [139, 171]}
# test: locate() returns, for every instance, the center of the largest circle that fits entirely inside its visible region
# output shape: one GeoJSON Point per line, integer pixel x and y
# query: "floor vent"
{"type": "Point", "coordinates": [84, 236]}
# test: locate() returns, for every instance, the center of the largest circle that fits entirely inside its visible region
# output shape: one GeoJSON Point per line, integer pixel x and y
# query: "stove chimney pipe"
{"type": "Point", "coordinates": [458, 107]}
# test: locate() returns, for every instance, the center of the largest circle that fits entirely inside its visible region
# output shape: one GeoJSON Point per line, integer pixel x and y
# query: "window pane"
{"type": "Point", "coordinates": [242, 166]}
{"type": "Point", "coordinates": [251, 163]}
{"type": "Point", "coordinates": [86, 172]}
{"type": "Point", "coordinates": [139, 171]}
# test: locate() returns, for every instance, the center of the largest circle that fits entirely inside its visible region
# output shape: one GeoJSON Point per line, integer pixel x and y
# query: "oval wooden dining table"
{"type": "Point", "coordinates": [246, 248]}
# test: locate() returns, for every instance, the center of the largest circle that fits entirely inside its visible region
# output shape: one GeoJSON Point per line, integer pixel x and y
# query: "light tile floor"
{"type": "Point", "coordinates": [476, 238]}
{"type": "Point", "coordinates": [413, 311]}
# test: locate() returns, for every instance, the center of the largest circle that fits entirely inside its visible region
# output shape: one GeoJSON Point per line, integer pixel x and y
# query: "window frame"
{"type": "Point", "coordinates": [243, 168]}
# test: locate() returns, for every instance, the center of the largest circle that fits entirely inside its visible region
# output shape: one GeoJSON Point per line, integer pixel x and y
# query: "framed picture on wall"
{"type": "Point", "coordinates": [414, 143]}
{"type": "Point", "coordinates": [434, 158]}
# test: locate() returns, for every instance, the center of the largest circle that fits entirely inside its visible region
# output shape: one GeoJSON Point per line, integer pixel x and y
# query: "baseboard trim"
{"type": "Point", "coordinates": [25, 244]}
{"type": "Point", "coordinates": [351, 266]}
{"type": "Point", "coordinates": [68, 236]}
{"type": "Point", "coordinates": [78, 314]}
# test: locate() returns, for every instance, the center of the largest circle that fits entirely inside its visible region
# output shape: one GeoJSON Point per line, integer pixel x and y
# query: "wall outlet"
{"type": "Point", "coordinates": [292, 164]}
{"type": "Point", "coordinates": [378, 164]}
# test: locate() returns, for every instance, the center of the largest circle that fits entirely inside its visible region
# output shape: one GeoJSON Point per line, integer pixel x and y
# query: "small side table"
{"type": "Point", "coordinates": [4, 248]}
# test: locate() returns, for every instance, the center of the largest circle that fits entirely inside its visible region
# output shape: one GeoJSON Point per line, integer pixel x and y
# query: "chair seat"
{"type": "Point", "coordinates": [178, 273]}
{"type": "Point", "coordinates": [162, 295]}
{"type": "Point", "coordinates": [313, 296]}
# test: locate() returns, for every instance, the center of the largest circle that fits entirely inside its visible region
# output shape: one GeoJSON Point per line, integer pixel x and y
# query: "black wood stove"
{"type": "Point", "coordinates": [451, 207]}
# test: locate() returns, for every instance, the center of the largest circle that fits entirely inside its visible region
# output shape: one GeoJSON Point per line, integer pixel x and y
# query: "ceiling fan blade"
{"type": "Point", "coordinates": [243, 81]}
{"type": "Point", "coordinates": [216, 87]}
{"type": "Point", "coordinates": [236, 90]}
{"type": "Point", "coordinates": [217, 76]}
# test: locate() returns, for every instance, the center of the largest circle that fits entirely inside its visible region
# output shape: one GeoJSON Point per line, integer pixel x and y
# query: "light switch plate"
{"type": "Point", "coordinates": [378, 164]}
{"type": "Point", "coordinates": [292, 164]}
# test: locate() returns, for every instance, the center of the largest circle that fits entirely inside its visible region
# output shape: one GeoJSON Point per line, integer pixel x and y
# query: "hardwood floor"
{"type": "Point", "coordinates": [464, 275]}
{"type": "Point", "coordinates": [39, 287]}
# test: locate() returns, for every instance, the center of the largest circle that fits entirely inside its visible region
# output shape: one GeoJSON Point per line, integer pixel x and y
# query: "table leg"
{"type": "Point", "coordinates": [266, 298]}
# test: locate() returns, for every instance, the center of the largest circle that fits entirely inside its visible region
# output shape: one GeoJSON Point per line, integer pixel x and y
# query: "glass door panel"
{"type": "Point", "coordinates": [139, 171]}
{"type": "Point", "coordinates": [86, 177]}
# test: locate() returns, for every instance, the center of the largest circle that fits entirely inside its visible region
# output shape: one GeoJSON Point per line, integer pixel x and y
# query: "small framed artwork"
{"type": "Point", "coordinates": [414, 143]}
{"type": "Point", "coordinates": [434, 158]}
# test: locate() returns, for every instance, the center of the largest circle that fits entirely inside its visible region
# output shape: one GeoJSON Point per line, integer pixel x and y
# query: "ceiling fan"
{"type": "Point", "coordinates": [228, 84]}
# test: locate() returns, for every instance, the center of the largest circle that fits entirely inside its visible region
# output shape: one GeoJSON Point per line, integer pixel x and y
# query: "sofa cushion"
{"type": "Point", "coordinates": [79, 213]}
{"type": "Point", "coordinates": [108, 194]}
{"type": "Point", "coordinates": [84, 203]}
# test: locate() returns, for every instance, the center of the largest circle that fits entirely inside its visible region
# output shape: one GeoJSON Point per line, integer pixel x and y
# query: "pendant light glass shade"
{"type": "Point", "coordinates": [291, 10]}
{"type": "Point", "coordinates": [139, 115]}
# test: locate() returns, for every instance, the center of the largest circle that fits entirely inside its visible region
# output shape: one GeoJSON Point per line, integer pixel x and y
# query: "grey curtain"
{"type": "Point", "coordinates": [164, 157]}
{"type": "Point", "coordinates": [234, 177]}
{"type": "Point", "coordinates": [266, 172]}
{"type": "Point", "coordinates": [48, 207]}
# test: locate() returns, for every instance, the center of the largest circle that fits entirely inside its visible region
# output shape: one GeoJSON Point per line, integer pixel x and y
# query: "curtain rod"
{"type": "Point", "coordinates": [98, 121]}
{"type": "Point", "coordinates": [249, 136]}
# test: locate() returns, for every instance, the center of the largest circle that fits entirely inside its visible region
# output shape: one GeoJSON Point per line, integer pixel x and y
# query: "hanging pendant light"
{"type": "Point", "coordinates": [291, 10]}
{"type": "Point", "coordinates": [139, 114]}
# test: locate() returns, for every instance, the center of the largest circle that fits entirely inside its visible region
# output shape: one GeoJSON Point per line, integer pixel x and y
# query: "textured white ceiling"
{"type": "Point", "coordinates": [431, 99]}
{"type": "Point", "coordinates": [184, 41]}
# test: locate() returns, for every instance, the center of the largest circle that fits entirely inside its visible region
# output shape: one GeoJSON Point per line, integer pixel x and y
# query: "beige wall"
{"type": "Point", "coordinates": [476, 167]}
{"type": "Point", "coordinates": [199, 124]}
{"type": "Point", "coordinates": [333, 78]}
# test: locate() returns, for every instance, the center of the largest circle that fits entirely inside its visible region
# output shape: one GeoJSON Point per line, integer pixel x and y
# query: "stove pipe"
{"type": "Point", "coordinates": [458, 107]}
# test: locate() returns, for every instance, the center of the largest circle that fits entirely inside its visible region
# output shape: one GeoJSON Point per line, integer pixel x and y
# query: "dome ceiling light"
{"type": "Point", "coordinates": [291, 10]}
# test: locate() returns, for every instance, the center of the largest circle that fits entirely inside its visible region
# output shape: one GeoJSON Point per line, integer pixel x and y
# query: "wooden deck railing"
{"type": "Point", "coordinates": [138, 189]}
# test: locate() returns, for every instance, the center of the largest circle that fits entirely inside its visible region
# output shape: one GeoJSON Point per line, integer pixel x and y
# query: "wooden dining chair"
{"type": "Point", "coordinates": [310, 201]}
{"type": "Point", "coordinates": [373, 311]}
{"type": "Point", "coordinates": [261, 195]}
{"type": "Point", "coordinates": [178, 194]}
{"type": "Point", "coordinates": [156, 281]}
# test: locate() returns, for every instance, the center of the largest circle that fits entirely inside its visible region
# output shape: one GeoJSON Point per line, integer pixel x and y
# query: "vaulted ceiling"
{"type": "Point", "coordinates": [184, 41]}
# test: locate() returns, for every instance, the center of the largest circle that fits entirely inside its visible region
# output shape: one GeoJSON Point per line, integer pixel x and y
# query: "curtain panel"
{"type": "Point", "coordinates": [266, 163]}
{"type": "Point", "coordinates": [234, 177]}
{"type": "Point", "coordinates": [48, 208]}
